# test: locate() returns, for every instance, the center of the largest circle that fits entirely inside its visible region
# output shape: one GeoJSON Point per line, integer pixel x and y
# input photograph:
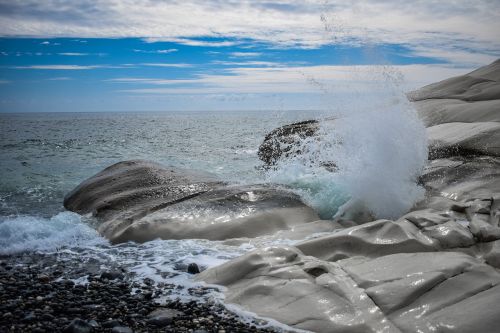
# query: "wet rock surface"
{"type": "Point", "coordinates": [37, 296]}
{"type": "Point", "coordinates": [142, 201]}
{"type": "Point", "coordinates": [284, 142]}
{"type": "Point", "coordinates": [435, 269]}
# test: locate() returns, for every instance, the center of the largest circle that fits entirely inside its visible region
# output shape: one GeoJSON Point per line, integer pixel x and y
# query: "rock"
{"type": "Point", "coordinates": [141, 201]}
{"type": "Point", "coordinates": [284, 142]}
{"type": "Point", "coordinates": [441, 111]}
{"type": "Point", "coordinates": [464, 139]}
{"type": "Point", "coordinates": [387, 293]}
{"type": "Point", "coordinates": [78, 326]}
{"type": "Point", "coordinates": [491, 253]}
{"type": "Point", "coordinates": [162, 317]}
{"type": "Point", "coordinates": [479, 85]}
{"type": "Point", "coordinates": [43, 278]}
{"type": "Point", "coordinates": [483, 229]}
{"type": "Point", "coordinates": [193, 268]}
{"type": "Point", "coordinates": [460, 180]}
{"type": "Point", "coordinates": [450, 235]}
{"type": "Point", "coordinates": [462, 113]}
{"type": "Point", "coordinates": [112, 275]}
{"type": "Point", "coordinates": [369, 240]}
{"type": "Point", "coordinates": [121, 329]}
{"type": "Point", "coordinates": [111, 323]}
{"type": "Point", "coordinates": [298, 290]}
{"type": "Point", "coordinates": [292, 141]}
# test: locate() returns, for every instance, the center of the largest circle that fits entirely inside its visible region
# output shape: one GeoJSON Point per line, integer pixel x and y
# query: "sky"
{"type": "Point", "coordinates": [156, 55]}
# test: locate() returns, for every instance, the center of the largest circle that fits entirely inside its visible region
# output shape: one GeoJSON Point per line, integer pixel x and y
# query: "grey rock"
{"type": "Point", "coordinates": [78, 326]}
{"type": "Point", "coordinates": [162, 317]}
{"type": "Point", "coordinates": [121, 329]}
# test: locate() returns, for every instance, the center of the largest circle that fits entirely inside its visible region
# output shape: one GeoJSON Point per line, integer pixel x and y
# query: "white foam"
{"type": "Point", "coordinates": [31, 233]}
{"type": "Point", "coordinates": [379, 153]}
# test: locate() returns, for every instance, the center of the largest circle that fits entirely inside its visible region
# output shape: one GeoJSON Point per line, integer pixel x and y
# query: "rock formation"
{"type": "Point", "coordinates": [141, 201]}
{"type": "Point", "coordinates": [436, 269]}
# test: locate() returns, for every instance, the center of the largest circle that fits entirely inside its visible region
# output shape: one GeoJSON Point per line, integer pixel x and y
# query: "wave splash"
{"type": "Point", "coordinates": [31, 233]}
{"type": "Point", "coordinates": [378, 153]}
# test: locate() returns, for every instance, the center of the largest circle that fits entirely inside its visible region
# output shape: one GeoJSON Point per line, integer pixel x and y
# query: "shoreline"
{"type": "Point", "coordinates": [39, 297]}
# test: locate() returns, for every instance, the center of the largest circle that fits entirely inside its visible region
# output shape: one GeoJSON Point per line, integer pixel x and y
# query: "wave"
{"type": "Point", "coordinates": [31, 233]}
{"type": "Point", "coordinates": [377, 152]}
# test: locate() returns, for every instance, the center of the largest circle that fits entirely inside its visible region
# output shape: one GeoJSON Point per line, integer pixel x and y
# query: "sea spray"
{"type": "Point", "coordinates": [32, 233]}
{"type": "Point", "coordinates": [378, 153]}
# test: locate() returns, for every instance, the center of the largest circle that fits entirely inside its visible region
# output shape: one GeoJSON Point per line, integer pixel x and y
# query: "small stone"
{"type": "Point", "coordinates": [43, 278]}
{"type": "Point", "coordinates": [39, 298]}
{"type": "Point", "coordinates": [111, 323]}
{"type": "Point", "coordinates": [93, 323]}
{"type": "Point", "coordinates": [162, 317]}
{"type": "Point", "coordinates": [112, 275]}
{"type": "Point", "coordinates": [193, 268]}
{"type": "Point", "coordinates": [78, 326]}
{"type": "Point", "coordinates": [121, 329]}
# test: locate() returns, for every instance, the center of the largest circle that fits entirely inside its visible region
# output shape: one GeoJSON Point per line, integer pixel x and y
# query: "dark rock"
{"type": "Point", "coordinates": [112, 275]}
{"type": "Point", "coordinates": [111, 323]}
{"type": "Point", "coordinates": [78, 326]}
{"type": "Point", "coordinates": [193, 268]}
{"type": "Point", "coordinates": [283, 142]}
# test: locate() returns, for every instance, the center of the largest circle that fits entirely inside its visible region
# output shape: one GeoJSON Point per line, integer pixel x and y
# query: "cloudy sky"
{"type": "Point", "coordinates": [124, 55]}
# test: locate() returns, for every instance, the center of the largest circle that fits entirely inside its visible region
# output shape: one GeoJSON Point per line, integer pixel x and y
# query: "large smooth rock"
{"type": "Point", "coordinates": [460, 179]}
{"type": "Point", "coordinates": [479, 85]}
{"type": "Point", "coordinates": [141, 201]}
{"type": "Point", "coordinates": [219, 214]}
{"type": "Point", "coordinates": [450, 139]}
{"type": "Point", "coordinates": [441, 111]}
{"type": "Point", "coordinates": [401, 292]}
{"type": "Point", "coordinates": [462, 113]}
{"type": "Point", "coordinates": [370, 240]}
{"type": "Point", "coordinates": [136, 187]}
{"type": "Point", "coordinates": [300, 291]}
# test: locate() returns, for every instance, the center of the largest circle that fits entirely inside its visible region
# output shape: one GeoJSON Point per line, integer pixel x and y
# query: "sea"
{"type": "Point", "coordinates": [379, 152]}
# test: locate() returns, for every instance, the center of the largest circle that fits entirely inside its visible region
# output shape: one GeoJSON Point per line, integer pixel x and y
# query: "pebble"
{"type": "Point", "coordinates": [52, 302]}
{"type": "Point", "coordinates": [193, 268]}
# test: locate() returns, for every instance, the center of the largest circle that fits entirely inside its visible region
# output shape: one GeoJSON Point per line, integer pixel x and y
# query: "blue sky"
{"type": "Point", "coordinates": [231, 55]}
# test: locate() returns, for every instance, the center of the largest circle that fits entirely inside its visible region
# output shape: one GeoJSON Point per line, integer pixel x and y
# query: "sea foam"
{"type": "Point", "coordinates": [378, 152]}
{"type": "Point", "coordinates": [31, 233]}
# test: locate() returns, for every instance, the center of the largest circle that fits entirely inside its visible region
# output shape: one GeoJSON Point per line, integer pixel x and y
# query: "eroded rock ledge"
{"type": "Point", "coordinates": [436, 269]}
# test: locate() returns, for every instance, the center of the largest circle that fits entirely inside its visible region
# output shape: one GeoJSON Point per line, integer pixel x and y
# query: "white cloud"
{"type": "Point", "coordinates": [73, 54]}
{"type": "Point", "coordinates": [167, 65]}
{"type": "Point", "coordinates": [61, 67]}
{"type": "Point", "coordinates": [429, 27]}
{"type": "Point", "coordinates": [247, 63]}
{"type": "Point", "coordinates": [157, 51]}
{"type": "Point", "coordinates": [245, 54]}
{"type": "Point", "coordinates": [60, 78]}
{"type": "Point", "coordinates": [310, 79]}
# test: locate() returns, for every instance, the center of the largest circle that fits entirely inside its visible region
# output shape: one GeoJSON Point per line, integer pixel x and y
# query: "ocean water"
{"type": "Point", "coordinates": [378, 151]}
